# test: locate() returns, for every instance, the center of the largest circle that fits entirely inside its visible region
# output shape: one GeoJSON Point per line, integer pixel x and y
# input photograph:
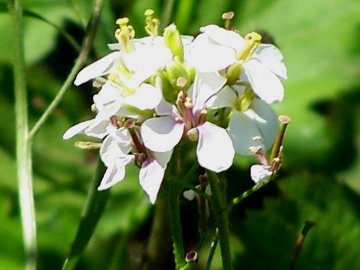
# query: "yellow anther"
{"type": "Point", "coordinates": [151, 23]}
{"type": "Point", "coordinates": [204, 112]}
{"type": "Point", "coordinates": [252, 40]}
{"type": "Point", "coordinates": [125, 34]}
{"type": "Point", "coordinates": [253, 36]}
{"type": "Point", "coordinates": [122, 22]}
{"type": "Point", "coordinates": [149, 12]}
{"type": "Point", "coordinates": [188, 104]}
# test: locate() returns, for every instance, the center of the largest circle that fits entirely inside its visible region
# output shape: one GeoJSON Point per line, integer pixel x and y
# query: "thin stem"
{"type": "Point", "coordinates": [175, 224]}
{"type": "Point", "coordinates": [159, 244]}
{"type": "Point", "coordinates": [250, 191]}
{"type": "Point", "coordinates": [212, 251]}
{"type": "Point", "coordinates": [85, 49]}
{"type": "Point", "coordinates": [23, 147]}
{"type": "Point", "coordinates": [221, 218]}
{"type": "Point", "coordinates": [299, 243]}
{"type": "Point", "coordinates": [94, 208]}
{"type": "Point", "coordinates": [284, 121]}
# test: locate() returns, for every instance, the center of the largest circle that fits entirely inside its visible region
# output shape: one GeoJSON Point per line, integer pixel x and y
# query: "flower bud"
{"type": "Point", "coordinates": [173, 41]}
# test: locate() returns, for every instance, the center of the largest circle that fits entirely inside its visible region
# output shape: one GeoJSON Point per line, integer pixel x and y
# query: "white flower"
{"type": "Point", "coordinates": [217, 48]}
{"type": "Point", "coordinates": [139, 64]}
{"type": "Point", "coordinates": [111, 100]}
{"type": "Point", "coordinates": [115, 153]}
{"type": "Point", "coordinates": [214, 149]}
{"type": "Point", "coordinates": [254, 125]}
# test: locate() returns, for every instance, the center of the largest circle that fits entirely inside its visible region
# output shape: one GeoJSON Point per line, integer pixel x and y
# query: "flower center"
{"type": "Point", "coordinates": [252, 40]}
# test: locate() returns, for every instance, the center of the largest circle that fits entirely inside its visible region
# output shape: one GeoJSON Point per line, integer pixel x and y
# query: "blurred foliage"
{"type": "Point", "coordinates": [320, 180]}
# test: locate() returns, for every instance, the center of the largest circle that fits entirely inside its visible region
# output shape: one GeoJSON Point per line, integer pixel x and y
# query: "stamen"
{"type": "Point", "coordinates": [151, 23]}
{"type": "Point", "coordinates": [252, 40]}
{"type": "Point", "coordinates": [227, 17]}
{"type": "Point", "coordinates": [188, 104]}
{"type": "Point", "coordinates": [125, 34]}
{"type": "Point", "coordinates": [244, 101]}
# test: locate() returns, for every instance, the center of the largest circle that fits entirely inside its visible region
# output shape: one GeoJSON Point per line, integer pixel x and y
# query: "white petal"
{"type": "Point", "coordinates": [97, 69]}
{"type": "Point", "coordinates": [108, 95]}
{"type": "Point", "coordinates": [98, 129]}
{"type": "Point", "coordinates": [78, 128]}
{"type": "Point", "coordinates": [264, 82]}
{"type": "Point", "coordinates": [242, 131]}
{"type": "Point", "coordinates": [147, 58]}
{"type": "Point", "coordinates": [205, 85]}
{"type": "Point", "coordinates": [166, 108]}
{"type": "Point", "coordinates": [260, 121]}
{"type": "Point", "coordinates": [259, 173]}
{"type": "Point", "coordinates": [151, 176]}
{"type": "Point", "coordinates": [224, 98]}
{"type": "Point", "coordinates": [215, 150]}
{"type": "Point", "coordinates": [189, 194]}
{"type": "Point", "coordinates": [272, 58]}
{"type": "Point", "coordinates": [108, 101]}
{"type": "Point", "coordinates": [115, 172]}
{"type": "Point", "coordinates": [145, 97]}
{"type": "Point", "coordinates": [209, 57]}
{"type": "Point", "coordinates": [266, 120]}
{"type": "Point", "coordinates": [115, 146]}
{"type": "Point", "coordinates": [161, 134]}
{"type": "Point", "coordinates": [162, 157]}
{"type": "Point", "coordinates": [224, 37]}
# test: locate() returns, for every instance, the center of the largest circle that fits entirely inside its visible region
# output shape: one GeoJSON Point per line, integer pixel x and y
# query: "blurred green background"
{"type": "Point", "coordinates": [320, 179]}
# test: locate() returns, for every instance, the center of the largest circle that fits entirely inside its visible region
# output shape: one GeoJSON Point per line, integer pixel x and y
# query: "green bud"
{"type": "Point", "coordinates": [172, 39]}
{"type": "Point", "coordinates": [170, 78]}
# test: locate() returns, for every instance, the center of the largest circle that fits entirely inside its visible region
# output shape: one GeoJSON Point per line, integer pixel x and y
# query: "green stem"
{"type": "Point", "coordinates": [276, 149]}
{"type": "Point", "coordinates": [85, 49]}
{"type": "Point", "coordinates": [221, 218]}
{"type": "Point", "coordinates": [250, 191]}
{"type": "Point", "coordinates": [95, 206]}
{"type": "Point", "coordinates": [212, 251]}
{"type": "Point", "coordinates": [299, 243]}
{"type": "Point", "coordinates": [175, 224]}
{"type": "Point", "coordinates": [159, 242]}
{"type": "Point", "coordinates": [23, 146]}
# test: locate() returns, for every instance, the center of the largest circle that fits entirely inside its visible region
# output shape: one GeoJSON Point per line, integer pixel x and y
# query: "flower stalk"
{"type": "Point", "coordinates": [221, 218]}
{"type": "Point", "coordinates": [23, 144]}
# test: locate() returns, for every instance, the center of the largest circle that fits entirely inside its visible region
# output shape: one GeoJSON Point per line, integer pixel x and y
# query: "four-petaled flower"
{"type": "Point", "coordinates": [163, 133]}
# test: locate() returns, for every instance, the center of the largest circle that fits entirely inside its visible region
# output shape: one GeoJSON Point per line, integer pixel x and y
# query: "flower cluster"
{"type": "Point", "coordinates": [214, 89]}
